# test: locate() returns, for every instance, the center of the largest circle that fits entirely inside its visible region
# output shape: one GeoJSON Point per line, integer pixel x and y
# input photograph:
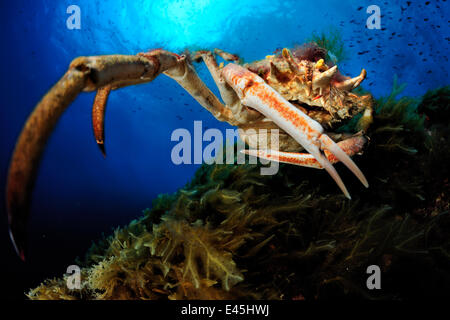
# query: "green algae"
{"type": "Point", "coordinates": [331, 40]}
{"type": "Point", "coordinates": [232, 233]}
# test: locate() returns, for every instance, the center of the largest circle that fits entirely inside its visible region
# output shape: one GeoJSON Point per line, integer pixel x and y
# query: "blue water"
{"type": "Point", "coordinates": [78, 193]}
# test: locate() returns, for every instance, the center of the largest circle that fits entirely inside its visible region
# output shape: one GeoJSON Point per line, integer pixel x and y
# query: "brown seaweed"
{"type": "Point", "coordinates": [231, 233]}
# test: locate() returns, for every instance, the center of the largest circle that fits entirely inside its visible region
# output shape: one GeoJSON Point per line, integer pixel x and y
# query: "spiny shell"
{"type": "Point", "coordinates": [313, 86]}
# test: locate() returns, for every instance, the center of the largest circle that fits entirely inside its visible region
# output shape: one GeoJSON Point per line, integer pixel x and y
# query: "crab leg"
{"type": "Point", "coordinates": [255, 93]}
{"type": "Point", "coordinates": [98, 116]}
{"type": "Point", "coordinates": [350, 146]}
{"type": "Point", "coordinates": [182, 72]}
{"type": "Point", "coordinates": [240, 113]}
{"type": "Point", "coordinates": [102, 73]}
{"type": "Point", "coordinates": [226, 56]}
{"type": "Point", "coordinates": [84, 74]}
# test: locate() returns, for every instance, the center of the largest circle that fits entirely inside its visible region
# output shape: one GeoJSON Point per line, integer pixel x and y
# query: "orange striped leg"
{"type": "Point", "coordinates": [350, 146]}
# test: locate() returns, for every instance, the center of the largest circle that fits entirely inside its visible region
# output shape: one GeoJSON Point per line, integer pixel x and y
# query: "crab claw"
{"type": "Point", "coordinates": [84, 74]}
{"type": "Point", "coordinates": [255, 93]}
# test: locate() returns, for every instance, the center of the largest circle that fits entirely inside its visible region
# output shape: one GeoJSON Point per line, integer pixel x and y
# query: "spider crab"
{"type": "Point", "coordinates": [294, 91]}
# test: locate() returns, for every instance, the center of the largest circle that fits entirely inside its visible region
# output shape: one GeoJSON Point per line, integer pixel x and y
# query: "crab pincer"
{"type": "Point", "coordinates": [255, 93]}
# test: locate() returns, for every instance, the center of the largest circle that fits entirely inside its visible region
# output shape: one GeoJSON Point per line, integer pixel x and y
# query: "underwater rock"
{"type": "Point", "coordinates": [232, 233]}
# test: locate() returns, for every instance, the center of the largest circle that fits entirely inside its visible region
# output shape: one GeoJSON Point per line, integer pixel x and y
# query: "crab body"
{"type": "Point", "coordinates": [312, 86]}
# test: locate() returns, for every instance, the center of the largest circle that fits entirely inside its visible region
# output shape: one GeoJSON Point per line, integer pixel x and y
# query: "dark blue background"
{"type": "Point", "coordinates": [78, 193]}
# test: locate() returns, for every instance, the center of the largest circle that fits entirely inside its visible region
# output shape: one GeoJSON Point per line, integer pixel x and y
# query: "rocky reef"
{"type": "Point", "coordinates": [232, 233]}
